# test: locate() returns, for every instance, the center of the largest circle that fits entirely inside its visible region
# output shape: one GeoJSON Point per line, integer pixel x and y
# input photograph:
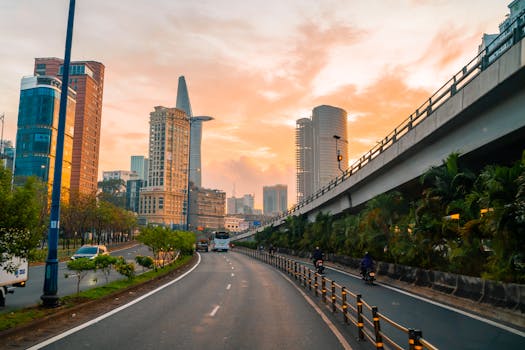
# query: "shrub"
{"type": "Point", "coordinates": [145, 261]}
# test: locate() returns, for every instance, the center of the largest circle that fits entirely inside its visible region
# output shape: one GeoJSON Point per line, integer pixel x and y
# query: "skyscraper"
{"type": "Point", "coordinates": [304, 158]}
{"type": "Point", "coordinates": [195, 149]}
{"type": "Point", "coordinates": [37, 131]}
{"type": "Point", "coordinates": [328, 122]}
{"type": "Point", "coordinates": [163, 200]}
{"type": "Point", "coordinates": [242, 205]}
{"type": "Point", "coordinates": [275, 199]}
{"type": "Point", "coordinates": [87, 79]}
{"type": "Point", "coordinates": [318, 143]}
{"type": "Point", "coordinates": [139, 164]}
{"type": "Point", "coordinates": [183, 103]}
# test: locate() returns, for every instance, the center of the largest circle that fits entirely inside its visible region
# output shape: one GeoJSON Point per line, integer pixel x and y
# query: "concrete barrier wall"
{"type": "Point", "coordinates": [506, 295]}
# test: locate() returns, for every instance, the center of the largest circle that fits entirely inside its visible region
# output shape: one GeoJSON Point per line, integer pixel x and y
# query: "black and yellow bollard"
{"type": "Point", "coordinates": [334, 308]}
{"type": "Point", "coordinates": [377, 328]}
{"type": "Point", "coordinates": [344, 306]}
{"type": "Point", "coordinates": [309, 279]}
{"type": "Point", "coordinates": [414, 336]}
{"type": "Point", "coordinates": [360, 321]}
{"type": "Point", "coordinates": [323, 288]}
{"type": "Point", "coordinates": [316, 285]}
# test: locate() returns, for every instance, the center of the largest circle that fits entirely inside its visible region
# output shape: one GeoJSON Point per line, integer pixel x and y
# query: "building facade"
{"type": "Point", "coordinates": [139, 164]}
{"type": "Point", "coordinates": [304, 161]}
{"type": "Point", "coordinates": [37, 132]}
{"type": "Point", "coordinates": [207, 209]}
{"type": "Point", "coordinates": [87, 79]}
{"type": "Point", "coordinates": [234, 223]}
{"type": "Point", "coordinates": [120, 175]}
{"type": "Point", "coordinates": [327, 122]}
{"type": "Point", "coordinates": [321, 149]}
{"type": "Point", "coordinates": [163, 200]}
{"type": "Point", "coordinates": [491, 41]}
{"type": "Point", "coordinates": [7, 155]}
{"type": "Point", "coordinates": [183, 103]}
{"type": "Point", "coordinates": [195, 149]}
{"type": "Point", "coordinates": [275, 199]}
{"type": "Point", "coordinates": [243, 205]}
{"type": "Point", "coordinates": [133, 188]}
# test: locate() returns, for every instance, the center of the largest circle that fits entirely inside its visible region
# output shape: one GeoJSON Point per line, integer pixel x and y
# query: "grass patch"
{"type": "Point", "coordinates": [26, 315]}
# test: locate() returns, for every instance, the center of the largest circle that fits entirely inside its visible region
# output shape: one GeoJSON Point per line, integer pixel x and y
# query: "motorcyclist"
{"type": "Point", "coordinates": [317, 255]}
{"type": "Point", "coordinates": [366, 264]}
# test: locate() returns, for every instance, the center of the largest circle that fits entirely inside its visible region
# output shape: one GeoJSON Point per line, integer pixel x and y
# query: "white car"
{"type": "Point", "coordinates": [90, 251]}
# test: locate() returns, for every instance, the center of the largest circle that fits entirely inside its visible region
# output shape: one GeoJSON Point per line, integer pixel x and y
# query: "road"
{"type": "Point", "coordinates": [30, 294]}
{"type": "Point", "coordinates": [229, 301]}
{"type": "Point", "coordinates": [444, 327]}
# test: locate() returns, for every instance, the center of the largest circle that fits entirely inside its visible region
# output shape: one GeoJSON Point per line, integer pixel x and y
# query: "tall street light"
{"type": "Point", "coordinates": [188, 173]}
{"type": "Point", "coordinates": [338, 152]}
{"type": "Point", "coordinates": [2, 117]}
{"type": "Point", "coordinates": [50, 298]}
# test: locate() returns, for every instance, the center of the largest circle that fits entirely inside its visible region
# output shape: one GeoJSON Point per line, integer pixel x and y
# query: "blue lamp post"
{"type": "Point", "coordinates": [50, 298]}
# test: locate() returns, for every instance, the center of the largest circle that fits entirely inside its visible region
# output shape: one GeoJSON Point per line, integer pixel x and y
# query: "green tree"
{"type": "Point", "coordinates": [105, 263]}
{"type": "Point", "coordinates": [22, 223]}
{"type": "Point", "coordinates": [125, 268]}
{"type": "Point", "coordinates": [145, 261]}
{"type": "Point", "coordinates": [503, 223]}
{"type": "Point", "coordinates": [165, 243]}
{"type": "Point", "coordinates": [82, 267]}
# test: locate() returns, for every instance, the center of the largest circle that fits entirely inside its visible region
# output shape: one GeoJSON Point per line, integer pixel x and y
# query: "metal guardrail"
{"type": "Point", "coordinates": [501, 44]}
{"type": "Point", "coordinates": [338, 299]}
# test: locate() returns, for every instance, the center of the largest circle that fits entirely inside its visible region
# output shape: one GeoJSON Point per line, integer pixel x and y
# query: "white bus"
{"type": "Point", "coordinates": [220, 240]}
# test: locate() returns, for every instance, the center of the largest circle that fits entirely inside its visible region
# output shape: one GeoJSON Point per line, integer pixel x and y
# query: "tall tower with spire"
{"type": "Point", "coordinates": [183, 103]}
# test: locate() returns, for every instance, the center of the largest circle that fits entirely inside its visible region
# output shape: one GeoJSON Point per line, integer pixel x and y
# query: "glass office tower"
{"type": "Point", "coordinates": [37, 131]}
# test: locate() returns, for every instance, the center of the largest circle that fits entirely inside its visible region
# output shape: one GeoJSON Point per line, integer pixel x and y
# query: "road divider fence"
{"type": "Point", "coordinates": [352, 307]}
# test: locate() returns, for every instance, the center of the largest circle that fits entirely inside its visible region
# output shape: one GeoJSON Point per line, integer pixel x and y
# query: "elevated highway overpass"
{"type": "Point", "coordinates": [479, 114]}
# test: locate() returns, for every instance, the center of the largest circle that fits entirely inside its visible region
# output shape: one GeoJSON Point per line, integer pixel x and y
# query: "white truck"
{"type": "Point", "coordinates": [10, 280]}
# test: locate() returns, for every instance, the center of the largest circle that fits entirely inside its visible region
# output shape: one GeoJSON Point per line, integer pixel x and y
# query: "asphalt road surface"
{"type": "Point", "coordinates": [30, 294]}
{"type": "Point", "coordinates": [445, 327]}
{"type": "Point", "coordinates": [229, 301]}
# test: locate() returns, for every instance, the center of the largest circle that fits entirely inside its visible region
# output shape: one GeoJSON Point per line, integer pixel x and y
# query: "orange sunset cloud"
{"type": "Point", "coordinates": [255, 69]}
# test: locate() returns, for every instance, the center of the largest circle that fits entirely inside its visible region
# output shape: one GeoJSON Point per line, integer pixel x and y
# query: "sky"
{"type": "Point", "coordinates": [255, 66]}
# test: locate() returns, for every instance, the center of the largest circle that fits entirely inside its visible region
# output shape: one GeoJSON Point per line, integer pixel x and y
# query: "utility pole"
{"type": "Point", "coordinates": [2, 117]}
{"type": "Point", "coordinates": [50, 297]}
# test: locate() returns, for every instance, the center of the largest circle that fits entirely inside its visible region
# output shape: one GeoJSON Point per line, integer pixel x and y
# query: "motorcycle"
{"type": "Point", "coordinates": [369, 276]}
{"type": "Point", "coordinates": [319, 266]}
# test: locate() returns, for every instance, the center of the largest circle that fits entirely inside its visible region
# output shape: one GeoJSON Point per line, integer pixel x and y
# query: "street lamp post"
{"type": "Point", "coordinates": [2, 117]}
{"type": "Point", "coordinates": [49, 297]}
{"type": "Point", "coordinates": [338, 153]}
{"type": "Point", "coordinates": [189, 171]}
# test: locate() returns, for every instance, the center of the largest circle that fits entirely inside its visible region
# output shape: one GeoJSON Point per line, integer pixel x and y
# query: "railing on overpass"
{"type": "Point", "coordinates": [501, 44]}
{"type": "Point", "coordinates": [337, 298]}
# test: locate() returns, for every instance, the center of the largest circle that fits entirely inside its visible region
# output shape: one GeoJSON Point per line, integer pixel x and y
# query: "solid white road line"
{"type": "Point", "coordinates": [214, 311]}
{"type": "Point", "coordinates": [112, 312]}
{"type": "Point", "coordinates": [464, 313]}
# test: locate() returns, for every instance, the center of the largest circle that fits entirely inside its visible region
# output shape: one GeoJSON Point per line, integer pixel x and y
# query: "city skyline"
{"type": "Point", "coordinates": [255, 74]}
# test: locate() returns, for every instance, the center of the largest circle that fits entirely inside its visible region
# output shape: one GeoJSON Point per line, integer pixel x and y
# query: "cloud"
{"type": "Point", "coordinates": [449, 47]}
{"type": "Point", "coordinates": [243, 172]}
{"type": "Point", "coordinates": [377, 109]}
